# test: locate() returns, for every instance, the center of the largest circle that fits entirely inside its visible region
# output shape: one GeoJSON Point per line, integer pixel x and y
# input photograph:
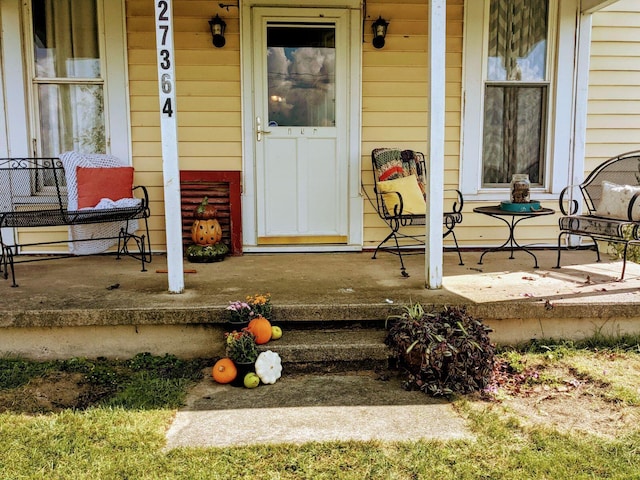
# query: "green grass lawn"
{"type": "Point", "coordinates": [121, 434]}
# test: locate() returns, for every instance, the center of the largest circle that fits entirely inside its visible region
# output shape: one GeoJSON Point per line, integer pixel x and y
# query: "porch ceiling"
{"type": "Point", "coordinates": [591, 6]}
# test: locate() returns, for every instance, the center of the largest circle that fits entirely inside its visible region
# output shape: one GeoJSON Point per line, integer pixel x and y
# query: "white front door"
{"type": "Point", "coordinates": [300, 134]}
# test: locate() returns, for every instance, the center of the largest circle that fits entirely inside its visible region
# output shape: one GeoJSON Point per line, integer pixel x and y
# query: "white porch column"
{"type": "Point", "coordinates": [435, 163]}
{"type": "Point", "coordinates": [580, 103]}
{"type": "Point", "coordinates": [169, 133]}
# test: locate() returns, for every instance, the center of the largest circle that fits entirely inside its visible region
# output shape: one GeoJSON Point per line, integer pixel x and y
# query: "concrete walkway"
{"type": "Point", "coordinates": [312, 408]}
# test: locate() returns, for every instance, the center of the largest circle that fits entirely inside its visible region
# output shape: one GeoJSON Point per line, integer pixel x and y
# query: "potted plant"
{"type": "Point", "coordinates": [261, 304]}
{"type": "Point", "coordinates": [241, 347]}
{"type": "Point", "coordinates": [443, 352]}
{"type": "Point", "coordinates": [240, 313]}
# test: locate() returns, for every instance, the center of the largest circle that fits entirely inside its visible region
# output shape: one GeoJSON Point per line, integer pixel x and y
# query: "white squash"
{"type": "Point", "coordinates": [268, 367]}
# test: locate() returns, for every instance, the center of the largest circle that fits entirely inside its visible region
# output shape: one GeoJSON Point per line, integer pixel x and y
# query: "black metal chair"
{"type": "Point", "coordinates": [400, 202]}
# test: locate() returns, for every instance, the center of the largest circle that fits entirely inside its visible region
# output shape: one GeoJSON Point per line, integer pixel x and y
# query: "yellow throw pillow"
{"type": "Point", "coordinates": [412, 200]}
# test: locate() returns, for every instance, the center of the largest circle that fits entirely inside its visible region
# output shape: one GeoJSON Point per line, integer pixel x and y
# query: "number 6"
{"type": "Point", "coordinates": [165, 82]}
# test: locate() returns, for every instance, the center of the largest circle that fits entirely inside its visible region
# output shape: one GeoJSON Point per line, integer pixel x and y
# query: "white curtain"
{"type": "Point", "coordinates": [66, 47]}
{"type": "Point", "coordinates": [515, 107]}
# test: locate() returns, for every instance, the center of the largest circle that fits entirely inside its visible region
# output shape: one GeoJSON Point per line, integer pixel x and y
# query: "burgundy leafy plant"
{"type": "Point", "coordinates": [442, 353]}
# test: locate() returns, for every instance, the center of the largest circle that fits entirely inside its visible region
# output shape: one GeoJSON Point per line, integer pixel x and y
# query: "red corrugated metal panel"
{"type": "Point", "coordinates": [223, 191]}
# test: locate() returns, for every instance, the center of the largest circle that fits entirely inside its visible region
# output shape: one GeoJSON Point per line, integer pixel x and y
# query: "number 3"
{"type": "Point", "coordinates": [166, 63]}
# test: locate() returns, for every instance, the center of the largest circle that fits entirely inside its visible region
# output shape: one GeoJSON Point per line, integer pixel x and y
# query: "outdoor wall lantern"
{"type": "Point", "coordinates": [217, 26]}
{"type": "Point", "coordinates": [379, 28]}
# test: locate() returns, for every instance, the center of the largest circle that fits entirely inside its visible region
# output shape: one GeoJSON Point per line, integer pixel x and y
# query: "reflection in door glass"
{"type": "Point", "coordinates": [301, 75]}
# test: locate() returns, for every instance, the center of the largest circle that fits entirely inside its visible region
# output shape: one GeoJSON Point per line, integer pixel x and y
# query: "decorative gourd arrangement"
{"type": "Point", "coordinates": [241, 348]}
{"type": "Point", "coordinates": [206, 234]}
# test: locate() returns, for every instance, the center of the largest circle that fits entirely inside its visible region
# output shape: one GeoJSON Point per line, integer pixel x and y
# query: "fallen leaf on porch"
{"type": "Point", "coordinates": [114, 286]}
{"type": "Point", "coordinates": [588, 280]}
{"type": "Point", "coordinates": [528, 278]}
{"type": "Point", "coordinates": [528, 295]}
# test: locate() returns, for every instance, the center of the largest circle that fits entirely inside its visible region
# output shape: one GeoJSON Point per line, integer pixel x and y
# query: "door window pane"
{"type": "Point", "coordinates": [301, 75]}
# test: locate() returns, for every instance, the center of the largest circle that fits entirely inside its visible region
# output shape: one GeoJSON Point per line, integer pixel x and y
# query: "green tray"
{"type": "Point", "coordinates": [531, 206]}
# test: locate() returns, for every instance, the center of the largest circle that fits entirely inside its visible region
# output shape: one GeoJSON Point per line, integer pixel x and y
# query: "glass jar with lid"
{"type": "Point", "coordinates": [520, 187]}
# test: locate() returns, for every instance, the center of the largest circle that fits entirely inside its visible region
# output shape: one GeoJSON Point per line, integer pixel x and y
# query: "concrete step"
{"type": "Point", "coordinates": [330, 349]}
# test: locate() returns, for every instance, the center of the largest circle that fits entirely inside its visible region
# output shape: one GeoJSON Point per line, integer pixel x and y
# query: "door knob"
{"type": "Point", "coordinates": [259, 131]}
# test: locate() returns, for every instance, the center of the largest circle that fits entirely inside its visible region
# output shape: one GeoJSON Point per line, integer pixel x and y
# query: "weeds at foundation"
{"type": "Point", "coordinates": [142, 382]}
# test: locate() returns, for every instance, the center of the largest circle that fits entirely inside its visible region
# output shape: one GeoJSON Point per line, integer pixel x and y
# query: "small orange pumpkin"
{"type": "Point", "coordinates": [261, 329]}
{"type": "Point", "coordinates": [206, 232]}
{"type": "Point", "coordinates": [205, 210]}
{"type": "Point", "coordinates": [224, 371]}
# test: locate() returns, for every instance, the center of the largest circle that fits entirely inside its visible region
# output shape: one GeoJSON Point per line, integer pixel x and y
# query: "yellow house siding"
{"type": "Point", "coordinates": [395, 91]}
{"type": "Point", "coordinates": [207, 97]}
{"type": "Point", "coordinates": [44, 234]}
{"type": "Point", "coordinates": [209, 92]}
{"type": "Point", "coordinates": [613, 123]}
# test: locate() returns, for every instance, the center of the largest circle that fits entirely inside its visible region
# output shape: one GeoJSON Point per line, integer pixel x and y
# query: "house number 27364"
{"type": "Point", "coordinates": [164, 56]}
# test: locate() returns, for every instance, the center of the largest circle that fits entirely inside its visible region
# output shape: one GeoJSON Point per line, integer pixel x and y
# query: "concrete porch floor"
{"type": "Point", "coordinates": [113, 301]}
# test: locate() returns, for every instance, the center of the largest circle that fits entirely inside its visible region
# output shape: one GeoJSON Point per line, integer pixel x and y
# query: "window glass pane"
{"type": "Point", "coordinates": [71, 118]}
{"type": "Point", "coordinates": [513, 136]}
{"type": "Point", "coordinates": [301, 75]}
{"type": "Point", "coordinates": [517, 40]}
{"type": "Point", "coordinates": [65, 37]}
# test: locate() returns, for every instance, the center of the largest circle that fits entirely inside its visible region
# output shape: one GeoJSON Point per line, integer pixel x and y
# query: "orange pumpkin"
{"type": "Point", "coordinates": [261, 329]}
{"type": "Point", "coordinates": [206, 232]}
{"type": "Point", "coordinates": [224, 371]}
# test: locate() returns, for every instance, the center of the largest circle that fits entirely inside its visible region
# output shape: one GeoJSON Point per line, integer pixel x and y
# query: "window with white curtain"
{"type": "Point", "coordinates": [515, 91]}
{"type": "Point", "coordinates": [518, 90]}
{"type": "Point", "coordinates": [68, 83]}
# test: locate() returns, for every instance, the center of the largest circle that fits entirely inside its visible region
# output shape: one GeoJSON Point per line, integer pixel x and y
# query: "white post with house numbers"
{"type": "Point", "coordinates": [169, 133]}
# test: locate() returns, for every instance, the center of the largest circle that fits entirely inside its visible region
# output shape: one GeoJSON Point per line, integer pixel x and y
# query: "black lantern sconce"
{"type": "Point", "coordinates": [217, 26]}
{"type": "Point", "coordinates": [379, 28]}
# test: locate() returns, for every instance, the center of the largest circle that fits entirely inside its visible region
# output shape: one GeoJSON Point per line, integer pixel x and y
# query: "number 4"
{"type": "Point", "coordinates": [166, 108]}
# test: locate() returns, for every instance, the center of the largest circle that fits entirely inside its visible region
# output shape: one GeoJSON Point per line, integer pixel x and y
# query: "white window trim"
{"type": "Point", "coordinates": [15, 95]}
{"type": "Point", "coordinates": [116, 90]}
{"type": "Point", "coordinates": [22, 129]}
{"type": "Point", "coordinates": [561, 68]}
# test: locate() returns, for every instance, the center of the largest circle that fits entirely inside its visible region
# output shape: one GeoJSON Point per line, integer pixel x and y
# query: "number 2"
{"type": "Point", "coordinates": [163, 13]}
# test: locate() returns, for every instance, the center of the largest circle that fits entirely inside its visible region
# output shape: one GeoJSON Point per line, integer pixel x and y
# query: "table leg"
{"type": "Point", "coordinates": [511, 240]}
{"type": "Point", "coordinates": [501, 247]}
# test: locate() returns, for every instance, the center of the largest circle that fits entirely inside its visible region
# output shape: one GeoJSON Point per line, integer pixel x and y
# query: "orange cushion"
{"type": "Point", "coordinates": [94, 184]}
